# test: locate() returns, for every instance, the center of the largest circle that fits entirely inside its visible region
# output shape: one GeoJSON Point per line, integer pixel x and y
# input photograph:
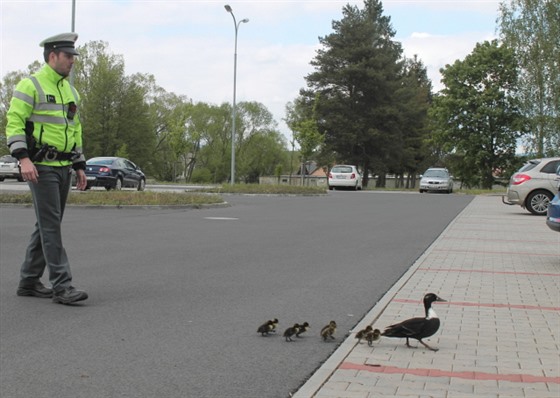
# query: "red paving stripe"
{"type": "Point", "coordinates": [514, 378]}
{"type": "Point", "coordinates": [490, 305]}
{"type": "Point", "coordinates": [487, 272]}
{"type": "Point", "coordinates": [550, 242]}
{"type": "Point", "coordinates": [496, 252]}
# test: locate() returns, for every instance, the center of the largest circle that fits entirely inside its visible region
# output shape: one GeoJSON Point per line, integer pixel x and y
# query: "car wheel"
{"type": "Point", "coordinates": [422, 191]}
{"type": "Point", "coordinates": [142, 184]}
{"type": "Point", "coordinates": [537, 202]}
{"type": "Point", "coordinates": [118, 184]}
{"type": "Point", "coordinates": [20, 179]}
{"type": "Point", "coordinates": [1, 178]}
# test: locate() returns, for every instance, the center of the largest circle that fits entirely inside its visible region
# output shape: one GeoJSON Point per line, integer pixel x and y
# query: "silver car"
{"type": "Point", "coordinates": [533, 186]}
{"type": "Point", "coordinates": [9, 168]}
{"type": "Point", "coordinates": [436, 179]}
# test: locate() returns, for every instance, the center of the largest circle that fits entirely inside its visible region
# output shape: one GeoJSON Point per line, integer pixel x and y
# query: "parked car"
{"type": "Point", "coordinates": [436, 179]}
{"type": "Point", "coordinates": [533, 186]}
{"type": "Point", "coordinates": [343, 175]}
{"type": "Point", "coordinates": [114, 173]}
{"type": "Point", "coordinates": [9, 168]}
{"type": "Point", "coordinates": [553, 211]}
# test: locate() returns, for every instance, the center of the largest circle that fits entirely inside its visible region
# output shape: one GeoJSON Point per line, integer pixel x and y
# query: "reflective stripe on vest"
{"type": "Point", "coordinates": [43, 105]}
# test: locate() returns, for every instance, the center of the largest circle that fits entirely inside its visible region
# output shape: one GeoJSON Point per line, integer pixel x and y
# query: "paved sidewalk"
{"type": "Point", "coordinates": [499, 268]}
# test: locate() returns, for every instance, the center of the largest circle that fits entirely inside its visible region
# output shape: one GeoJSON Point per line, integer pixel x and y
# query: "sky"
{"type": "Point", "coordinates": [189, 46]}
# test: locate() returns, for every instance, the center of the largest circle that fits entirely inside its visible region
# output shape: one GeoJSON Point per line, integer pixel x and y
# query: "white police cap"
{"type": "Point", "coordinates": [63, 42]}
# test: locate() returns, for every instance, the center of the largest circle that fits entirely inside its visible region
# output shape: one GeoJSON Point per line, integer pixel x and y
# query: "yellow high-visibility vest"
{"type": "Point", "coordinates": [47, 106]}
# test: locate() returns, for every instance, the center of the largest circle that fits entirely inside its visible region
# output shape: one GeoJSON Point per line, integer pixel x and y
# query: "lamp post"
{"type": "Point", "coordinates": [236, 24]}
{"type": "Point", "coordinates": [73, 30]}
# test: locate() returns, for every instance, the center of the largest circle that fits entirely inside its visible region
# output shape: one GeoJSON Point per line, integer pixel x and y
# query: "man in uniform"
{"type": "Point", "coordinates": [45, 134]}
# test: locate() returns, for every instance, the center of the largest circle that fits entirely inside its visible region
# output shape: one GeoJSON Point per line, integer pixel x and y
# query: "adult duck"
{"type": "Point", "coordinates": [417, 328]}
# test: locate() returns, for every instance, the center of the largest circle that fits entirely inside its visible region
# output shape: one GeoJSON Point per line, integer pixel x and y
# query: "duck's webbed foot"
{"type": "Point", "coordinates": [427, 346]}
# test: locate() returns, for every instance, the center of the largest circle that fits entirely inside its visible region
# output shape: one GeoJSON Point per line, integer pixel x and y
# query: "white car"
{"type": "Point", "coordinates": [534, 185]}
{"type": "Point", "coordinates": [345, 176]}
{"type": "Point", "coordinates": [9, 168]}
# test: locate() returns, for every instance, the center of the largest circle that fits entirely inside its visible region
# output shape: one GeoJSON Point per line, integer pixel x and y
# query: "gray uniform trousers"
{"type": "Point", "coordinates": [45, 247]}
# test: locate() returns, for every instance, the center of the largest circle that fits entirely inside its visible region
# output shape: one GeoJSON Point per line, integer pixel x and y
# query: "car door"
{"type": "Point", "coordinates": [132, 175]}
{"type": "Point", "coordinates": [548, 172]}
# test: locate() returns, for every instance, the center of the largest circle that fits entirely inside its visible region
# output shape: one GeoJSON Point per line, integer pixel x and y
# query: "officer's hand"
{"type": "Point", "coordinates": [81, 181]}
{"type": "Point", "coordinates": [28, 170]}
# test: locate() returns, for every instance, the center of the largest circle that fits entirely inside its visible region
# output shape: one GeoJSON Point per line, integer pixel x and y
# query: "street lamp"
{"type": "Point", "coordinates": [236, 24]}
{"type": "Point", "coordinates": [73, 30]}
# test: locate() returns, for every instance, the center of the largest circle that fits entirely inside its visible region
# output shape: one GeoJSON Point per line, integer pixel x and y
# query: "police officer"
{"type": "Point", "coordinates": [45, 134]}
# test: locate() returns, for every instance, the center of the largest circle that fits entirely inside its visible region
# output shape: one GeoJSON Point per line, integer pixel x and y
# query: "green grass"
{"type": "Point", "coordinates": [123, 198]}
{"type": "Point", "coordinates": [266, 189]}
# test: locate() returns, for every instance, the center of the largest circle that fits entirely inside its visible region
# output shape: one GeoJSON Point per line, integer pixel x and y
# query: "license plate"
{"type": "Point", "coordinates": [341, 177]}
{"type": "Point", "coordinates": [90, 178]}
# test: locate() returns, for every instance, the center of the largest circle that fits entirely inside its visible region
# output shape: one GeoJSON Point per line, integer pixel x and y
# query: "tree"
{"type": "Point", "coordinates": [7, 86]}
{"type": "Point", "coordinates": [476, 115]}
{"type": "Point", "coordinates": [414, 99]}
{"type": "Point", "coordinates": [214, 159]}
{"type": "Point", "coordinates": [168, 115]}
{"type": "Point", "coordinates": [113, 112]}
{"type": "Point", "coordinates": [532, 29]}
{"type": "Point", "coordinates": [358, 73]}
{"type": "Point", "coordinates": [255, 127]}
{"type": "Point", "coordinates": [305, 129]}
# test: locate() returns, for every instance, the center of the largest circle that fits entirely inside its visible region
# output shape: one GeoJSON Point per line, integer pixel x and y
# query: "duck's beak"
{"type": "Point", "coordinates": [440, 299]}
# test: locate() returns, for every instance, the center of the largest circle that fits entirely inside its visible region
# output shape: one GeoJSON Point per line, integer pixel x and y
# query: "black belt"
{"type": "Point", "coordinates": [63, 156]}
{"type": "Point", "coordinates": [50, 154]}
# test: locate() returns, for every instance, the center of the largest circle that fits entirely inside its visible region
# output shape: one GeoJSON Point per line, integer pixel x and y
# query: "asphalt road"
{"type": "Point", "coordinates": [176, 296]}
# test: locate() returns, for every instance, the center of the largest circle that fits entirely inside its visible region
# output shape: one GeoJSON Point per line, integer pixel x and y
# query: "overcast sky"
{"type": "Point", "coordinates": [189, 45]}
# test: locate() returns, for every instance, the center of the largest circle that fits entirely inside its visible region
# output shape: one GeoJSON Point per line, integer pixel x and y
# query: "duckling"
{"type": "Point", "coordinates": [268, 327]}
{"type": "Point", "coordinates": [372, 335]}
{"type": "Point", "coordinates": [417, 328]}
{"type": "Point", "coordinates": [288, 333]}
{"type": "Point", "coordinates": [274, 325]}
{"type": "Point", "coordinates": [304, 327]}
{"type": "Point", "coordinates": [328, 331]}
{"type": "Point", "coordinates": [362, 333]}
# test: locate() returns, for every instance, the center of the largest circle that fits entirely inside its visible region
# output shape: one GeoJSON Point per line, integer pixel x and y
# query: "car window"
{"type": "Point", "coordinates": [129, 165]}
{"type": "Point", "coordinates": [529, 166]}
{"type": "Point", "coordinates": [341, 169]}
{"type": "Point", "coordinates": [436, 173]}
{"type": "Point", "coordinates": [550, 167]}
{"type": "Point", "coordinates": [103, 162]}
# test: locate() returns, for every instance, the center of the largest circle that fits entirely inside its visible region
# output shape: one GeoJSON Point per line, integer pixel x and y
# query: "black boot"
{"type": "Point", "coordinates": [69, 295]}
{"type": "Point", "coordinates": [36, 289]}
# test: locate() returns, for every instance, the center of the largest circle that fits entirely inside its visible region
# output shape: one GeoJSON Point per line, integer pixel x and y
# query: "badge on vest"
{"type": "Point", "coordinates": [51, 98]}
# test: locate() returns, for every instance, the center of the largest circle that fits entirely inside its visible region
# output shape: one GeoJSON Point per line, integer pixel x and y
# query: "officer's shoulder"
{"type": "Point", "coordinates": [25, 83]}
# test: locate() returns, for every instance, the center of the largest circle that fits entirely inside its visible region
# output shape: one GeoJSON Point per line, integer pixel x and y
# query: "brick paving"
{"type": "Point", "coordinates": [499, 268]}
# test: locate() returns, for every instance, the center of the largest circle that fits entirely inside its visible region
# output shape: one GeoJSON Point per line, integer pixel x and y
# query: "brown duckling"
{"type": "Point", "coordinates": [328, 331]}
{"type": "Point", "coordinates": [288, 333]}
{"type": "Point", "coordinates": [304, 327]}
